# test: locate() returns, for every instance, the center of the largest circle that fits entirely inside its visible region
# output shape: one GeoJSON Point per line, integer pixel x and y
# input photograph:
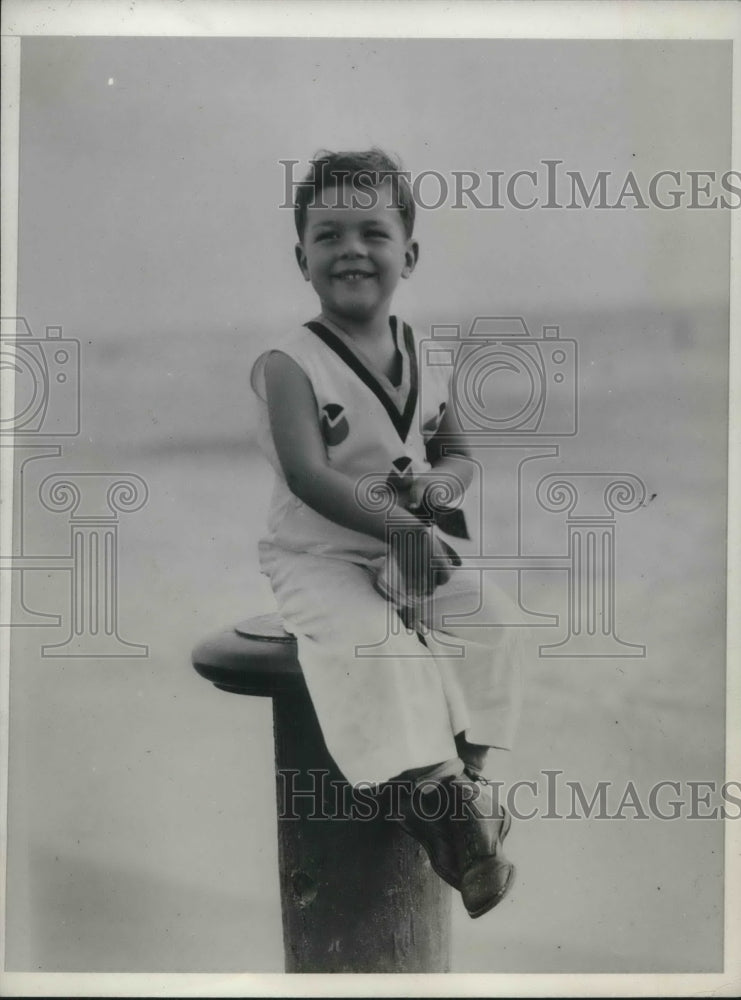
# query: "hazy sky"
{"type": "Point", "coordinates": [151, 178]}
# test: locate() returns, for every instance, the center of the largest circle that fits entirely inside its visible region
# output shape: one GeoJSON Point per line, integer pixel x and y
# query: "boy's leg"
{"type": "Point", "coordinates": [386, 714]}
{"type": "Point", "coordinates": [461, 826]}
{"type": "Point", "coordinates": [379, 714]}
{"type": "Point", "coordinates": [458, 820]}
{"type": "Point", "coordinates": [473, 755]}
{"type": "Point", "coordinates": [425, 815]}
{"type": "Point", "coordinates": [435, 772]}
{"type": "Point", "coordinates": [483, 690]}
{"type": "Point", "coordinates": [483, 685]}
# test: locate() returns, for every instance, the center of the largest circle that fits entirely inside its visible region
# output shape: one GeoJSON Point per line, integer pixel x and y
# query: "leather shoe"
{"type": "Point", "coordinates": [480, 826]}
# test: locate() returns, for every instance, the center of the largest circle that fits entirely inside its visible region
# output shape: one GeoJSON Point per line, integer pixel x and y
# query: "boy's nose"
{"type": "Point", "coordinates": [353, 246]}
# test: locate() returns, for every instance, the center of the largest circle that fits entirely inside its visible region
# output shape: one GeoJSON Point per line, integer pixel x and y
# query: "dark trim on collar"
{"type": "Point", "coordinates": [401, 421]}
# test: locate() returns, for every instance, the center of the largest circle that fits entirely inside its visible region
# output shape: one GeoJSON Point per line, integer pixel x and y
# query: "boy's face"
{"type": "Point", "coordinates": [354, 255]}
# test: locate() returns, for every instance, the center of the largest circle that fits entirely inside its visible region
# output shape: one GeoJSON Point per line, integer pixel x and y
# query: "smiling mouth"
{"type": "Point", "coordinates": [353, 276]}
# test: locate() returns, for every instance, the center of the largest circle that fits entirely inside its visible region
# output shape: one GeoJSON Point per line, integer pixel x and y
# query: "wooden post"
{"type": "Point", "coordinates": [357, 895]}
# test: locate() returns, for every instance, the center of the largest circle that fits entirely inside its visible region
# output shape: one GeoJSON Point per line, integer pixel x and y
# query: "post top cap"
{"type": "Point", "coordinates": [257, 657]}
{"type": "Point", "coordinates": [265, 628]}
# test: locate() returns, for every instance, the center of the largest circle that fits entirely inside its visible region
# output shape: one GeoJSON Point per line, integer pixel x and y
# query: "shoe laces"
{"type": "Point", "coordinates": [478, 778]}
{"type": "Point", "coordinates": [473, 774]}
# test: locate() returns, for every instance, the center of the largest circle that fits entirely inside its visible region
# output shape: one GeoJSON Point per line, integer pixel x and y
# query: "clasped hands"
{"type": "Point", "coordinates": [422, 560]}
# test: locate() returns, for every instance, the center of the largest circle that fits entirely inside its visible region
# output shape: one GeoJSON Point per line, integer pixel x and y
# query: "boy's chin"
{"type": "Point", "coordinates": [356, 311]}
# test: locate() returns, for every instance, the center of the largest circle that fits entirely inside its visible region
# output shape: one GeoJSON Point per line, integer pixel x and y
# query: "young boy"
{"type": "Point", "coordinates": [346, 399]}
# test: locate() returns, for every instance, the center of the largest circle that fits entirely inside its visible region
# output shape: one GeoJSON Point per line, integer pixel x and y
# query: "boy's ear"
{"type": "Point", "coordinates": [301, 260]}
{"type": "Point", "coordinates": [411, 256]}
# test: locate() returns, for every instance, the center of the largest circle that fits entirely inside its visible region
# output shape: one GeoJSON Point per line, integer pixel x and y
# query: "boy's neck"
{"type": "Point", "coordinates": [372, 330]}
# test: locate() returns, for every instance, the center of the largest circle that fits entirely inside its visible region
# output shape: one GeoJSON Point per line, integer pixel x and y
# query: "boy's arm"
{"type": "Point", "coordinates": [450, 453]}
{"type": "Point", "coordinates": [302, 453]}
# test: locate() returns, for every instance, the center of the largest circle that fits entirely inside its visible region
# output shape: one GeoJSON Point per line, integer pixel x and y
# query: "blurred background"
{"type": "Point", "coordinates": [142, 826]}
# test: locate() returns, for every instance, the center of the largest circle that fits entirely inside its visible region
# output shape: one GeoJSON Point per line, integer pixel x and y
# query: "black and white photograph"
{"type": "Point", "coordinates": [369, 450]}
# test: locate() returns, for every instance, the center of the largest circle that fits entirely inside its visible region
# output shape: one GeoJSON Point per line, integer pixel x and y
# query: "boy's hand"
{"type": "Point", "coordinates": [413, 558]}
{"type": "Point", "coordinates": [451, 488]}
{"type": "Point", "coordinates": [441, 550]}
{"type": "Point", "coordinates": [416, 493]}
{"type": "Point", "coordinates": [437, 496]}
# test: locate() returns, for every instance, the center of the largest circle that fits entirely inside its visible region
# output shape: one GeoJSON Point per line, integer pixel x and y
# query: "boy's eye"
{"type": "Point", "coordinates": [326, 235]}
{"type": "Point", "coordinates": [378, 234]}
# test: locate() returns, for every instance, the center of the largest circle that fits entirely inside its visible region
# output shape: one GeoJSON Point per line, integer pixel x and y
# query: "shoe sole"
{"type": "Point", "coordinates": [491, 903]}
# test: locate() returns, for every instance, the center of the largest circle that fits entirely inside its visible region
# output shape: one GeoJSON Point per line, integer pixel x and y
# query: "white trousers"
{"type": "Point", "coordinates": [385, 701]}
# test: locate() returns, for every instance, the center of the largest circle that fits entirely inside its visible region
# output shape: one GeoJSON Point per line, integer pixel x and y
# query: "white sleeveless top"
{"type": "Point", "coordinates": [368, 424]}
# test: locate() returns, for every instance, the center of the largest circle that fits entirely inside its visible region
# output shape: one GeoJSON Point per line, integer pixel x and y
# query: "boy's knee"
{"type": "Point", "coordinates": [370, 629]}
{"type": "Point", "coordinates": [384, 635]}
{"type": "Point", "coordinates": [387, 638]}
